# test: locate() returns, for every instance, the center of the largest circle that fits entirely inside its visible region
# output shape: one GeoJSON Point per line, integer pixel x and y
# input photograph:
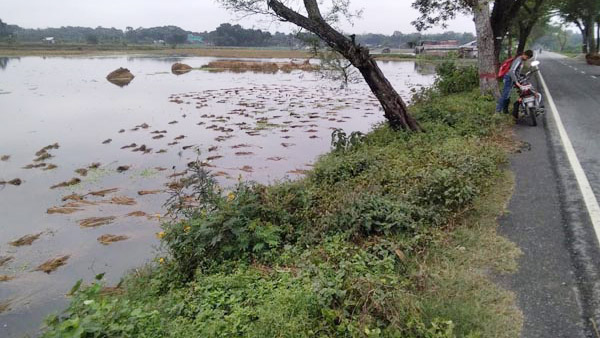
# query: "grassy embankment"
{"type": "Point", "coordinates": [390, 235]}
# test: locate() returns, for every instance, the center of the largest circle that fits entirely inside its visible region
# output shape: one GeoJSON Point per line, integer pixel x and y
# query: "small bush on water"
{"type": "Point", "coordinates": [341, 253]}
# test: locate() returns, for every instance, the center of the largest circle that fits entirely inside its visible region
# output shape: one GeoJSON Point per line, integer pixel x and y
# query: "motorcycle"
{"type": "Point", "coordinates": [529, 105]}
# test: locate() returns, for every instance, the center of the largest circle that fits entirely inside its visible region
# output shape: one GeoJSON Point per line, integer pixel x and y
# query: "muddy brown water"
{"type": "Point", "coordinates": [260, 127]}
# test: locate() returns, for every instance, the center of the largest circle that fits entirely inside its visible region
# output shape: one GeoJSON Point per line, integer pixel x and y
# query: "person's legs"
{"type": "Point", "coordinates": [505, 98]}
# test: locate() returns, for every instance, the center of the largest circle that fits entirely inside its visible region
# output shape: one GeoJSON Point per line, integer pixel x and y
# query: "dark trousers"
{"type": "Point", "coordinates": [504, 100]}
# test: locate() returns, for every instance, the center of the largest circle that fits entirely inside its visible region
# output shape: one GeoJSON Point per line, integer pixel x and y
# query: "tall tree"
{"type": "Point", "coordinates": [310, 18]}
{"type": "Point", "coordinates": [532, 13]}
{"type": "Point", "coordinates": [439, 11]}
{"type": "Point", "coordinates": [584, 14]}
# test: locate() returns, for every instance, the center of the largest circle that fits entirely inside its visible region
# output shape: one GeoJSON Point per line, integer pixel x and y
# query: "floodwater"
{"type": "Point", "coordinates": [261, 127]}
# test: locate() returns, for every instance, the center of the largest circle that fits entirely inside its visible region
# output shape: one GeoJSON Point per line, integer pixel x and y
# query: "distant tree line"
{"type": "Point", "coordinates": [400, 40]}
{"type": "Point", "coordinates": [224, 35]}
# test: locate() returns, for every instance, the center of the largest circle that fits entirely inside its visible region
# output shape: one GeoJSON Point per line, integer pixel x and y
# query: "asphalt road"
{"type": "Point", "coordinates": [558, 282]}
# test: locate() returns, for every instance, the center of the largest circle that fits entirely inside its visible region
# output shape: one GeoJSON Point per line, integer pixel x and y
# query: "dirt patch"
{"type": "Point", "coordinates": [6, 278]}
{"type": "Point", "coordinates": [180, 68]}
{"type": "Point", "coordinates": [137, 214]}
{"type": "Point", "coordinates": [123, 168]}
{"type": "Point", "coordinates": [53, 264]}
{"type": "Point", "coordinates": [25, 240]}
{"type": "Point", "coordinates": [107, 239]}
{"type": "Point", "coordinates": [72, 197]}
{"type": "Point", "coordinates": [35, 166]}
{"type": "Point", "coordinates": [122, 200]}
{"type": "Point", "coordinates": [93, 222]}
{"type": "Point", "coordinates": [4, 306]}
{"type": "Point", "coordinates": [258, 67]}
{"type": "Point", "coordinates": [5, 259]}
{"type": "Point", "coordinates": [593, 59]}
{"type": "Point", "coordinates": [16, 181]}
{"type": "Point", "coordinates": [149, 192]}
{"type": "Point", "coordinates": [104, 192]}
{"type": "Point", "coordinates": [73, 181]}
{"type": "Point", "coordinates": [81, 171]}
{"type": "Point", "coordinates": [4, 158]}
{"type": "Point", "coordinates": [62, 210]}
{"type": "Point", "coordinates": [120, 77]}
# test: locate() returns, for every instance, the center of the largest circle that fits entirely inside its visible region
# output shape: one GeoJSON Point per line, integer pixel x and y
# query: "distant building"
{"type": "Point", "coordinates": [440, 48]}
{"type": "Point", "coordinates": [49, 40]}
{"type": "Point", "coordinates": [159, 42]}
{"type": "Point", "coordinates": [195, 39]}
{"type": "Point", "coordinates": [386, 51]}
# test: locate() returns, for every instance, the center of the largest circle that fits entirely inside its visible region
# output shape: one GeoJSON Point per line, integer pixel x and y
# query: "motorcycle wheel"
{"type": "Point", "coordinates": [532, 117]}
{"type": "Point", "coordinates": [516, 110]}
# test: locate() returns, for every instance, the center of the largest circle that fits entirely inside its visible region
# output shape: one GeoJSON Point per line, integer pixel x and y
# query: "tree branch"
{"type": "Point", "coordinates": [312, 8]}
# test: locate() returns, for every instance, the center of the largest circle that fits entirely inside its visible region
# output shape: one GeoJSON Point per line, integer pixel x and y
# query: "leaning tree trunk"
{"type": "Point", "coordinates": [485, 47]}
{"type": "Point", "coordinates": [393, 106]}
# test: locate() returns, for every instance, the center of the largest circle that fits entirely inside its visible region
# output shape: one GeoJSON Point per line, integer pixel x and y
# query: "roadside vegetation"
{"type": "Point", "coordinates": [391, 234]}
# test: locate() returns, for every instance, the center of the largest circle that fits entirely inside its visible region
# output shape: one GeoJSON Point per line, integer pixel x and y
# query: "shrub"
{"type": "Point", "coordinates": [453, 79]}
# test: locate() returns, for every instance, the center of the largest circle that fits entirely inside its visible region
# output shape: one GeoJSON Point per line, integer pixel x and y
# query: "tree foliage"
{"type": "Point", "coordinates": [585, 14]}
{"type": "Point", "coordinates": [235, 35]}
{"type": "Point", "coordinates": [4, 31]}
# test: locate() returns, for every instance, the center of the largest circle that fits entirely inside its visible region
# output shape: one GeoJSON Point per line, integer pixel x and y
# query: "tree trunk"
{"type": "Point", "coordinates": [591, 39]}
{"type": "Point", "coordinates": [485, 47]}
{"type": "Point", "coordinates": [598, 35]}
{"type": "Point", "coordinates": [393, 106]}
{"type": "Point", "coordinates": [524, 32]}
{"type": "Point", "coordinates": [510, 45]}
{"type": "Point", "coordinates": [584, 37]}
{"type": "Point", "coordinates": [503, 14]}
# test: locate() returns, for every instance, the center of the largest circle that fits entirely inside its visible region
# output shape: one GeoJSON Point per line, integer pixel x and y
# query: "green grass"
{"type": "Point", "coordinates": [391, 235]}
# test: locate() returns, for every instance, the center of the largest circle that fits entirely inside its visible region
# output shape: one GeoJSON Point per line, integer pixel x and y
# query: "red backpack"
{"type": "Point", "coordinates": [505, 67]}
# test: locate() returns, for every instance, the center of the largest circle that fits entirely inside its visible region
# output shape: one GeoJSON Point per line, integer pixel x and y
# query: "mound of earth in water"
{"type": "Point", "coordinates": [180, 68]}
{"type": "Point", "coordinates": [593, 59]}
{"type": "Point", "coordinates": [259, 67]}
{"type": "Point", "coordinates": [121, 77]}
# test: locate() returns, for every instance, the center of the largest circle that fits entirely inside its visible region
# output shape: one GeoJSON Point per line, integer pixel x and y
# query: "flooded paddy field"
{"type": "Point", "coordinates": [85, 164]}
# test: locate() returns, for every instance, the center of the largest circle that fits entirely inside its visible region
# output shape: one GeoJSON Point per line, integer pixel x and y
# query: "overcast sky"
{"type": "Point", "coordinates": [379, 16]}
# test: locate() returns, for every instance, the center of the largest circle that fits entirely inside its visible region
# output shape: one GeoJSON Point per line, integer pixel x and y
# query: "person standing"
{"type": "Point", "coordinates": [508, 72]}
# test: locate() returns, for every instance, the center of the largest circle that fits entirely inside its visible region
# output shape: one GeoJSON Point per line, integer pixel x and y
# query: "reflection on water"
{"type": "Point", "coordinates": [4, 62]}
{"type": "Point", "coordinates": [425, 68]}
{"type": "Point", "coordinates": [115, 149]}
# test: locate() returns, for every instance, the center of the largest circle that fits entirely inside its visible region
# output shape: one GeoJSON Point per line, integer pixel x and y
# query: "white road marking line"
{"type": "Point", "coordinates": [584, 185]}
{"type": "Point", "coordinates": [582, 72]}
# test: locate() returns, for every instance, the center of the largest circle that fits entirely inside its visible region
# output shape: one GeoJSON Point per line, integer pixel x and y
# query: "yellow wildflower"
{"type": "Point", "coordinates": [230, 197]}
{"type": "Point", "coordinates": [161, 260]}
{"type": "Point", "coordinates": [160, 235]}
{"type": "Point", "coordinates": [187, 228]}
